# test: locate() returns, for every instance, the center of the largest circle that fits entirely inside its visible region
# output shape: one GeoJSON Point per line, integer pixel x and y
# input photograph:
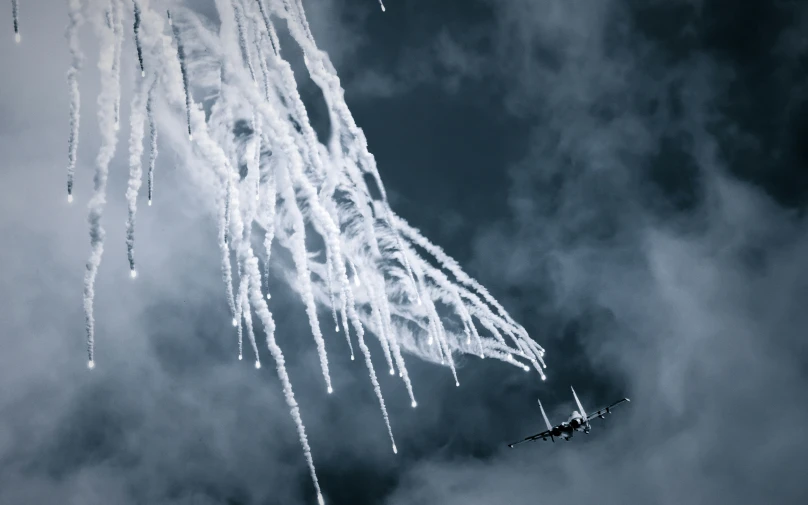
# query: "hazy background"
{"type": "Point", "coordinates": [629, 178]}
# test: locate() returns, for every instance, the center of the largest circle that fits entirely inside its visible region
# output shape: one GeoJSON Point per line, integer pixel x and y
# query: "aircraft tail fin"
{"type": "Point", "coordinates": [544, 415]}
{"type": "Point", "coordinates": [577, 401]}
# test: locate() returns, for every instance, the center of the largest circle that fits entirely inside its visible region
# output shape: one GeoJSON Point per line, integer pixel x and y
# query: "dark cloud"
{"type": "Point", "coordinates": [648, 231]}
{"type": "Point", "coordinates": [653, 226]}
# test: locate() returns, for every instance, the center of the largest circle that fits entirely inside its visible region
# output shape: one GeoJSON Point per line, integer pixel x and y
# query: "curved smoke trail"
{"type": "Point", "coordinates": [109, 139]}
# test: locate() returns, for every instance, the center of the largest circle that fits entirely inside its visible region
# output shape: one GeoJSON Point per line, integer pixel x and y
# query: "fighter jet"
{"type": "Point", "coordinates": [578, 421]}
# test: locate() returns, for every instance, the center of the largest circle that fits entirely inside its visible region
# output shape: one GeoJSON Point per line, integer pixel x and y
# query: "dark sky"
{"type": "Point", "coordinates": [629, 178]}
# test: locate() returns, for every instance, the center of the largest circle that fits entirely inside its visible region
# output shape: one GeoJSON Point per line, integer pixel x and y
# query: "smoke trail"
{"type": "Point", "coordinates": [242, 37]}
{"type": "Point", "coordinates": [137, 38]}
{"type": "Point", "coordinates": [261, 309]}
{"type": "Point", "coordinates": [331, 299]}
{"type": "Point", "coordinates": [357, 282]}
{"type": "Point", "coordinates": [269, 236]}
{"type": "Point", "coordinates": [116, 10]}
{"type": "Point", "coordinates": [375, 309]}
{"type": "Point", "coordinates": [270, 29]}
{"type": "Point", "coordinates": [386, 319]}
{"type": "Point", "coordinates": [109, 140]}
{"type": "Point", "coordinates": [250, 332]}
{"type": "Point", "coordinates": [76, 62]}
{"type": "Point", "coordinates": [184, 70]}
{"type": "Point", "coordinates": [360, 337]}
{"type": "Point", "coordinates": [227, 272]}
{"type": "Point", "coordinates": [298, 240]}
{"type": "Point", "coordinates": [381, 3]}
{"type": "Point", "coordinates": [152, 136]}
{"type": "Point", "coordinates": [136, 126]}
{"type": "Point", "coordinates": [451, 265]}
{"type": "Point", "coordinates": [15, 14]}
{"type": "Point", "coordinates": [239, 312]}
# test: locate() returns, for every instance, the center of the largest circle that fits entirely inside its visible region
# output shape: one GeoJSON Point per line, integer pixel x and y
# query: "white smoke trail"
{"type": "Point", "coordinates": [116, 10]}
{"type": "Point", "coordinates": [136, 133]}
{"type": "Point", "coordinates": [251, 267]}
{"type": "Point", "coordinates": [375, 308]}
{"type": "Point", "coordinates": [269, 235]}
{"type": "Point", "coordinates": [242, 37]}
{"type": "Point", "coordinates": [152, 137]}
{"type": "Point", "coordinates": [109, 140]}
{"type": "Point", "coordinates": [76, 61]}
{"type": "Point", "coordinates": [298, 244]}
{"type": "Point", "coordinates": [329, 268]}
{"type": "Point", "coordinates": [381, 3]}
{"type": "Point", "coordinates": [184, 70]}
{"type": "Point", "coordinates": [136, 30]}
{"type": "Point", "coordinates": [324, 75]}
{"type": "Point", "coordinates": [15, 14]}
{"type": "Point", "coordinates": [239, 311]}
{"type": "Point", "coordinates": [227, 272]}
{"type": "Point", "coordinates": [250, 332]}
{"type": "Point", "coordinates": [451, 265]}
{"type": "Point", "coordinates": [395, 348]}
{"type": "Point", "coordinates": [360, 338]}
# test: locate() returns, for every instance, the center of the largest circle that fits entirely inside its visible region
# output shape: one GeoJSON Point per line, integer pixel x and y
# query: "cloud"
{"type": "Point", "coordinates": [633, 237]}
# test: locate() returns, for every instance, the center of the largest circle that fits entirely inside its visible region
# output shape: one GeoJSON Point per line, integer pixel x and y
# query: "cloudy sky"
{"type": "Point", "coordinates": [630, 179]}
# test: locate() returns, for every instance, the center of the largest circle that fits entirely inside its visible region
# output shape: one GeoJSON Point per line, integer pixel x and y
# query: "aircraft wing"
{"type": "Point", "coordinates": [605, 410]}
{"type": "Point", "coordinates": [538, 436]}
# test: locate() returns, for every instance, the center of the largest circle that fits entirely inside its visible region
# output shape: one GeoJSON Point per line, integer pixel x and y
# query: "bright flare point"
{"type": "Point", "coordinates": [69, 198]}
{"type": "Point", "coordinates": [17, 38]}
{"type": "Point", "coordinates": [142, 73]}
{"type": "Point", "coordinates": [395, 450]}
{"type": "Point", "coordinates": [240, 357]}
{"type": "Point", "coordinates": [149, 203]}
{"type": "Point", "coordinates": [257, 365]}
{"type": "Point", "coordinates": [392, 372]}
{"type": "Point", "coordinates": [414, 404]}
{"type": "Point", "coordinates": [133, 273]}
{"type": "Point", "coordinates": [235, 322]}
{"type": "Point", "coordinates": [330, 390]}
{"type": "Point", "coordinates": [91, 364]}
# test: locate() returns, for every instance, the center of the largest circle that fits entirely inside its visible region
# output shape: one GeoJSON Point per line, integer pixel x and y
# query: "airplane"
{"type": "Point", "coordinates": [578, 421]}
